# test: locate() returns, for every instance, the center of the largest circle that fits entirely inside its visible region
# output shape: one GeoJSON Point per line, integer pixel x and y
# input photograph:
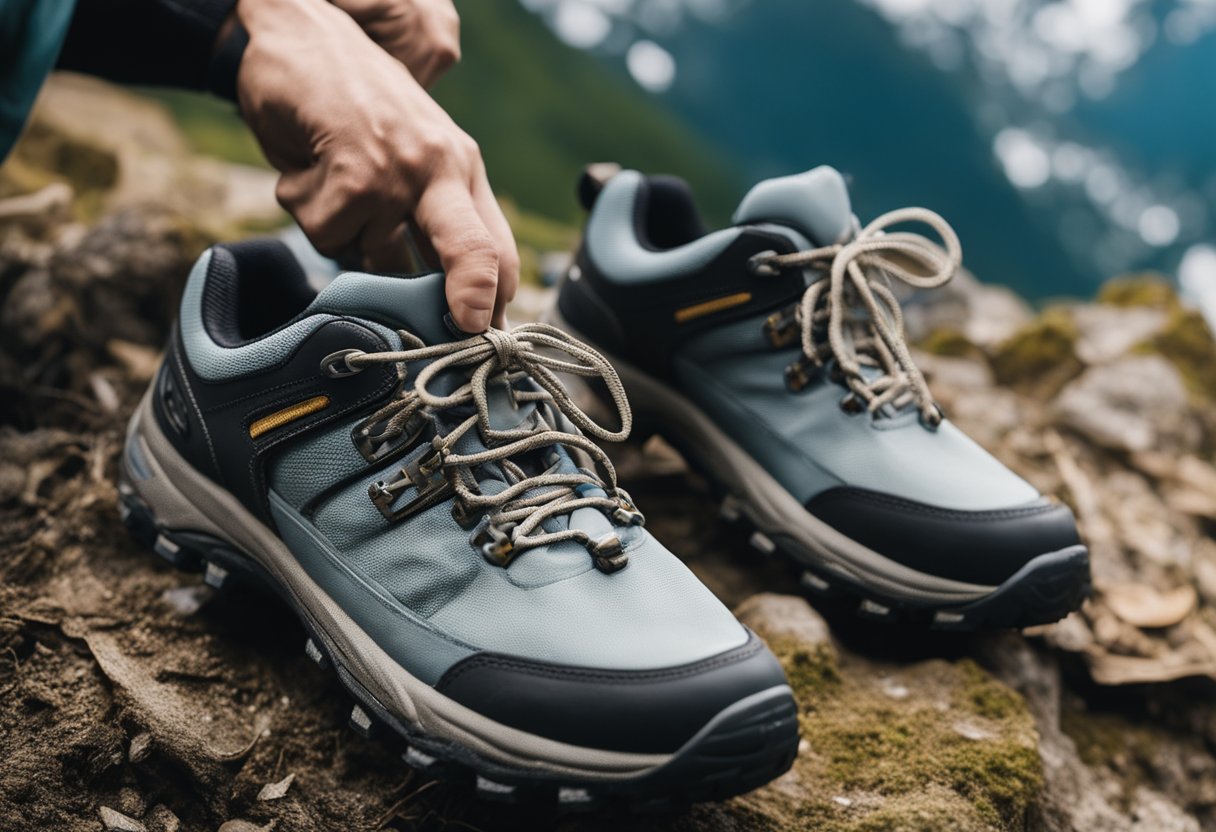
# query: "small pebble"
{"type": "Point", "coordinates": [131, 802]}
{"type": "Point", "coordinates": [971, 731]}
{"type": "Point", "coordinates": [141, 747]}
{"type": "Point", "coordinates": [245, 826]}
{"type": "Point", "coordinates": [118, 822]}
{"type": "Point", "coordinates": [273, 791]}
{"type": "Point", "coordinates": [186, 600]}
{"type": "Point", "coordinates": [842, 801]}
{"type": "Point", "coordinates": [161, 819]}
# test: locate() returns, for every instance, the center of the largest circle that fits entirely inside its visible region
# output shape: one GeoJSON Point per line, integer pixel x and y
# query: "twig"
{"type": "Point", "coordinates": [402, 803]}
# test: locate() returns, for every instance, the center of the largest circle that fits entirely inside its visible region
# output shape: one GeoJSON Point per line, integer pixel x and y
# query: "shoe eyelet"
{"type": "Point", "coordinates": [337, 364]}
{"type": "Point", "coordinates": [852, 405]}
{"type": "Point", "coordinates": [757, 265]}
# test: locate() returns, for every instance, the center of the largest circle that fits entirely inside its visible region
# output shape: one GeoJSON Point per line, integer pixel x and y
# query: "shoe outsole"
{"type": "Point", "coordinates": [746, 746]}
{"type": "Point", "coordinates": [1045, 590]}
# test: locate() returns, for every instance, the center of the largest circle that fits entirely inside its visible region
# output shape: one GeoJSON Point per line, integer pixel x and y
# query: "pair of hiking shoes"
{"type": "Point", "coordinates": [438, 510]}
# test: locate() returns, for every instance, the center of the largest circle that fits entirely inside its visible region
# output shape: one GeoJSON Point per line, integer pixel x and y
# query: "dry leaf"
{"type": "Point", "coordinates": [1142, 606]}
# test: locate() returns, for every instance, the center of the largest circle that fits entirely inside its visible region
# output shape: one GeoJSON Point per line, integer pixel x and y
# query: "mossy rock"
{"type": "Point", "coordinates": [84, 166]}
{"type": "Point", "coordinates": [1040, 354]}
{"type": "Point", "coordinates": [1113, 742]}
{"type": "Point", "coordinates": [1187, 343]}
{"type": "Point", "coordinates": [1146, 290]}
{"type": "Point", "coordinates": [959, 751]}
{"type": "Point", "coordinates": [950, 343]}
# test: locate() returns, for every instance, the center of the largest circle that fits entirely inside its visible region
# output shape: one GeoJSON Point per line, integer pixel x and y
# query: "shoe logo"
{"type": "Point", "coordinates": [171, 403]}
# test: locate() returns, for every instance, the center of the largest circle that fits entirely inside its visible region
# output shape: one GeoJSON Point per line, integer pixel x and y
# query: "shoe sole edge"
{"type": "Point", "coordinates": [472, 747]}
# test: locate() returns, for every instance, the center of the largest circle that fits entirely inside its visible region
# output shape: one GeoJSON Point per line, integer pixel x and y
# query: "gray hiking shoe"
{"type": "Point", "coordinates": [435, 509]}
{"type": "Point", "coordinates": [772, 355]}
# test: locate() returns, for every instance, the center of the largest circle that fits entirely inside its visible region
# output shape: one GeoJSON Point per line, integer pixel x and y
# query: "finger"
{"type": "Point", "coordinates": [330, 219]}
{"type": "Point", "coordinates": [384, 246]}
{"type": "Point", "coordinates": [449, 219]}
{"type": "Point", "coordinates": [428, 260]}
{"type": "Point", "coordinates": [504, 239]}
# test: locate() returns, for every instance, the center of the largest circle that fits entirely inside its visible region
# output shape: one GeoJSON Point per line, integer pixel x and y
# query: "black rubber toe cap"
{"type": "Point", "coordinates": [644, 712]}
{"type": "Point", "coordinates": [981, 547]}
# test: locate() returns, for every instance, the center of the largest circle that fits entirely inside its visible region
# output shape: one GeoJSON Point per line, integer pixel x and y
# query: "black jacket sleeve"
{"type": "Point", "coordinates": [157, 42]}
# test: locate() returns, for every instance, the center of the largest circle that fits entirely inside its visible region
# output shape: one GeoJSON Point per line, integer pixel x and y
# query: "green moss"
{"type": "Point", "coordinates": [86, 167]}
{"type": "Point", "coordinates": [949, 342]}
{"type": "Point", "coordinates": [862, 741]}
{"type": "Point", "coordinates": [212, 127]}
{"type": "Point", "coordinates": [811, 669]}
{"type": "Point", "coordinates": [985, 696]}
{"type": "Point", "coordinates": [1041, 353]}
{"type": "Point", "coordinates": [1187, 342]}
{"type": "Point", "coordinates": [536, 236]}
{"type": "Point", "coordinates": [1149, 290]}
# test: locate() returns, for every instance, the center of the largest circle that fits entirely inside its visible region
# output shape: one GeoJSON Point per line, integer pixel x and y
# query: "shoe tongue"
{"type": "Point", "coordinates": [815, 203]}
{"type": "Point", "coordinates": [415, 303]}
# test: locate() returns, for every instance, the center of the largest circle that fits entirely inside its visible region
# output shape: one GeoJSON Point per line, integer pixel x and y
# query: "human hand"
{"type": "Point", "coordinates": [363, 151]}
{"type": "Point", "coordinates": [424, 35]}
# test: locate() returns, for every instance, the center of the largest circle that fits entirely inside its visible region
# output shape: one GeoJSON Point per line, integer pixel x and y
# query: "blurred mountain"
{"type": "Point", "coordinates": [541, 110]}
{"type": "Point", "coordinates": [797, 84]}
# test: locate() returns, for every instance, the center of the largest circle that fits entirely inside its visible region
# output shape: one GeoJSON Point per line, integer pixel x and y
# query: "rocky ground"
{"type": "Point", "coordinates": [133, 698]}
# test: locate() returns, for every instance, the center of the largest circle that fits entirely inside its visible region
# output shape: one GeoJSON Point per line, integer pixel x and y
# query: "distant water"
{"type": "Point", "coordinates": [1066, 140]}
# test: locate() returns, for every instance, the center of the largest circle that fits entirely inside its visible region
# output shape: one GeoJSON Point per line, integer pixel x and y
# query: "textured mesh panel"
{"type": "Point", "coordinates": [423, 562]}
{"type": "Point", "coordinates": [215, 363]}
{"type": "Point", "coordinates": [809, 444]}
{"type": "Point", "coordinates": [311, 465]}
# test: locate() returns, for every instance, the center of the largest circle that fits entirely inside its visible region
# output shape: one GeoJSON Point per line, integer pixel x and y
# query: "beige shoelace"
{"type": "Point", "coordinates": [861, 317]}
{"type": "Point", "coordinates": [499, 357]}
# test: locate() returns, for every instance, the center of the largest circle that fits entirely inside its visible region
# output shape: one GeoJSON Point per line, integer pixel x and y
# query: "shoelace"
{"type": "Point", "coordinates": [875, 337]}
{"type": "Point", "coordinates": [513, 515]}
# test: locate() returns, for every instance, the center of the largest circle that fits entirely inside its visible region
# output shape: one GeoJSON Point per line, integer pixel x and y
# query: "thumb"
{"type": "Point", "coordinates": [448, 217]}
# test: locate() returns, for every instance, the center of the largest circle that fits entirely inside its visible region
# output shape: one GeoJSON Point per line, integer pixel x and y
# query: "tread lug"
{"type": "Point", "coordinates": [493, 790]}
{"type": "Point", "coordinates": [418, 759]}
{"type": "Point", "coordinates": [762, 543]}
{"type": "Point", "coordinates": [814, 583]}
{"type": "Point", "coordinates": [730, 510]}
{"type": "Point", "coordinates": [361, 722]}
{"type": "Point", "coordinates": [873, 609]}
{"type": "Point", "coordinates": [215, 576]}
{"type": "Point", "coordinates": [314, 652]}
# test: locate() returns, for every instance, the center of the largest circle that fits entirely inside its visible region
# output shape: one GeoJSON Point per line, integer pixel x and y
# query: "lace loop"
{"type": "Point", "coordinates": [830, 327]}
{"type": "Point", "coordinates": [515, 513]}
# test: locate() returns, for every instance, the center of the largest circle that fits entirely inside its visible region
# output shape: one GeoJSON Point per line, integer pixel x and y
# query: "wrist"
{"type": "Point", "coordinates": [226, 57]}
{"type": "Point", "coordinates": [256, 15]}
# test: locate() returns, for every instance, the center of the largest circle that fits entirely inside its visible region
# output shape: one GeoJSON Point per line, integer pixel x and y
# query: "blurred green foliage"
{"type": "Point", "coordinates": [539, 109]}
{"type": "Point", "coordinates": [212, 126]}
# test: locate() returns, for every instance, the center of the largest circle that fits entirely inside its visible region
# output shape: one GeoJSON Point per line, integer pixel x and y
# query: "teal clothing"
{"type": "Point", "coordinates": [31, 34]}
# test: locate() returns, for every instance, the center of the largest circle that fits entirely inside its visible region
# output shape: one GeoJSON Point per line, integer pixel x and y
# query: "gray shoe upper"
{"type": "Point", "coordinates": [732, 371]}
{"type": "Point", "coordinates": [418, 585]}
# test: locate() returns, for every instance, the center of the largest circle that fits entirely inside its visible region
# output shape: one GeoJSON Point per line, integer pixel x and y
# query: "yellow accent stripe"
{"type": "Point", "coordinates": [710, 306]}
{"type": "Point", "coordinates": [287, 414]}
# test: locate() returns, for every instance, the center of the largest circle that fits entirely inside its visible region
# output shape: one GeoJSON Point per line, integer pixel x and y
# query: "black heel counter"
{"type": "Point", "coordinates": [583, 307]}
{"type": "Point", "coordinates": [177, 414]}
